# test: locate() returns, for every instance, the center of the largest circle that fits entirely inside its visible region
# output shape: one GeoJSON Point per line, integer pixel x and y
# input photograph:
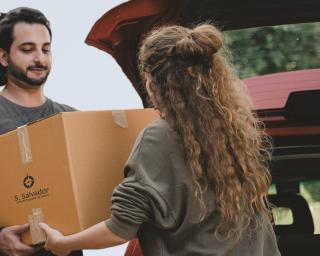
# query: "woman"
{"type": "Point", "coordinates": [196, 180]}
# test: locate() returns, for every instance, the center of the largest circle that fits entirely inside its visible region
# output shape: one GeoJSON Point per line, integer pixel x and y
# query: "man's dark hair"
{"type": "Point", "coordinates": [7, 23]}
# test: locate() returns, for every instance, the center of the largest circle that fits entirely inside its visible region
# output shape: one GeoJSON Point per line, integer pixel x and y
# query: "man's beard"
{"type": "Point", "coordinates": [19, 74]}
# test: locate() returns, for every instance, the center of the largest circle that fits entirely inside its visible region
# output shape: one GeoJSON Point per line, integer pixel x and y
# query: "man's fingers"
{"type": "Point", "coordinates": [19, 229]}
{"type": "Point", "coordinates": [24, 247]}
{"type": "Point", "coordinates": [12, 240]}
{"type": "Point", "coordinates": [27, 250]}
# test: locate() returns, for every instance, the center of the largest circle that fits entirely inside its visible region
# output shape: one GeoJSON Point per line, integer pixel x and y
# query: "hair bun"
{"type": "Point", "coordinates": [209, 36]}
{"type": "Point", "coordinates": [199, 44]}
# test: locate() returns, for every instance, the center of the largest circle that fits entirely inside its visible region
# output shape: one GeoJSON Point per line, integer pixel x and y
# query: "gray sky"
{"type": "Point", "coordinates": [82, 76]}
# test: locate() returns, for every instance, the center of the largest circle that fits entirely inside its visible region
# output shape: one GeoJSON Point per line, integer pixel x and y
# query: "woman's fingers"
{"type": "Point", "coordinates": [52, 242]}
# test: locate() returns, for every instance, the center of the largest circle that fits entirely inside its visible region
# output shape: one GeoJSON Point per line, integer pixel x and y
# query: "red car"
{"type": "Point", "coordinates": [286, 99]}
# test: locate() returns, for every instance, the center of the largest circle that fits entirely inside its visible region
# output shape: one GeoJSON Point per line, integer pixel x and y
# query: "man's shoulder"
{"type": "Point", "coordinates": [59, 107]}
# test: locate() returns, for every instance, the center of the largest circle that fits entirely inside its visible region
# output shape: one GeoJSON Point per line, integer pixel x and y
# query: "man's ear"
{"type": "Point", "coordinates": [3, 58]}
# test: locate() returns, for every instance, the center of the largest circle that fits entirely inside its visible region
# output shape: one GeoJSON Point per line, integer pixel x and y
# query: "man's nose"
{"type": "Point", "coordinates": [39, 57]}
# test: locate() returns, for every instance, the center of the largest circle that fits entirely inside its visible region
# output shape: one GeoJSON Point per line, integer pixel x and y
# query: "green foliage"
{"type": "Point", "coordinates": [272, 190]}
{"type": "Point", "coordinates": [265, 50]}
{"type": "Point", "coordinates": [310, 190]}
{"type": "Point", "coordinates": [282, 216]}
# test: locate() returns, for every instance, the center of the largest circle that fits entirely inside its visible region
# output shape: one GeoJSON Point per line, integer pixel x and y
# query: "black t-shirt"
{"type": "Point", "coordinates": [13, 115]}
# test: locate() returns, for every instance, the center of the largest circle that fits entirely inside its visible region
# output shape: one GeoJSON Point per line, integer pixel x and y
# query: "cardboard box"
{"type": "Point", "coordinates": [67, 165]}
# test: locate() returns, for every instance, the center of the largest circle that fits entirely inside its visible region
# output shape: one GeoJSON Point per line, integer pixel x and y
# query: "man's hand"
{"type": "Point", "coordinates": [10, 241]}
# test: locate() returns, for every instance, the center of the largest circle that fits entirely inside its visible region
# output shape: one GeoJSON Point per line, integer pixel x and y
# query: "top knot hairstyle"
{"type": "Point", "coordinates": [225, 145]}
{"type": "Point", "coordinates": [188, 46]}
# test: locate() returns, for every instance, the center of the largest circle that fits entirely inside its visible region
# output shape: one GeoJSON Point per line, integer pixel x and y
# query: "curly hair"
{"type": "Point", "coordinates": [196, 91]}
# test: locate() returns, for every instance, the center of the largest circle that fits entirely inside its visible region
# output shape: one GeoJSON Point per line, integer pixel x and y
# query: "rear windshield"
{"type": "Point", "coordinates": [266, 50]}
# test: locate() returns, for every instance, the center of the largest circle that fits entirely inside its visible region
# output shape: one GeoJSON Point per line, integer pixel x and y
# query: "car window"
{"type": "Point", "coordinates": [273, 49]}
{"type": "Point", "coordinates": [281, 215]}
{"type": "Point", "coordinates": [310, 190]}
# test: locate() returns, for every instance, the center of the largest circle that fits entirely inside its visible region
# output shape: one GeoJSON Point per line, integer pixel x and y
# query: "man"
{"type": "Point", "coordinates": [25, 58]}
{"type": "Point", "coordinates": [25, 62]}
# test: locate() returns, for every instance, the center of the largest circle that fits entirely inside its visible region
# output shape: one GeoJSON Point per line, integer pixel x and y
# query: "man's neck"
{"type": "Point", "coordinates": [27, 97]}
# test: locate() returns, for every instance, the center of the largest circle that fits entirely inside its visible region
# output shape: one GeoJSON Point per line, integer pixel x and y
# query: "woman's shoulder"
{"type": "Point", "coordinates": [159, 124]}
{"type": "Point", "coordinates": [159, 130]}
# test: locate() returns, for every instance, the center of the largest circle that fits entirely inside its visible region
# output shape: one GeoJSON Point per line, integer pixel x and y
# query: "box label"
{"type": "Point", "coordinates": [32, 195]}
{"type": "Point", "coordinates": [28, 182]}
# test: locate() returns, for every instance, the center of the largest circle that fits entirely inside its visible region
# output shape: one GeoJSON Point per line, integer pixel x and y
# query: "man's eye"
{"type": "Point", "coordinates": [46, 50]}
{"type": "Point", "coordinates": [26, 50]}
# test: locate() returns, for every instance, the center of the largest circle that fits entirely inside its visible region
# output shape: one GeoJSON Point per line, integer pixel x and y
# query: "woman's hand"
{"type": "Point", "coordinates": [54, 242]}
{"type": "Point", "coordinates": [97, 236]}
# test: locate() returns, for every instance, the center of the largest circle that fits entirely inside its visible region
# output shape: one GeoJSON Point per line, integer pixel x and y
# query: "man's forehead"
{"type": "Point", "coordinates": [31, 33]}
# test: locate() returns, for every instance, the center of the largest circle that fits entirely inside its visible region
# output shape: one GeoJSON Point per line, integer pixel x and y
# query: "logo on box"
{"type": "Point", "coordinates": [28, 181]}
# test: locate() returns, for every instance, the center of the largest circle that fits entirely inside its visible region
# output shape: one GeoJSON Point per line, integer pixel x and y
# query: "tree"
{"type": "Point", "coordinates": [265, 50]}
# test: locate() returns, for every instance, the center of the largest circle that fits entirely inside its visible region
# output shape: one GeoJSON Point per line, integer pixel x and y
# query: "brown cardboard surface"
{"type": "Point", "coordinates": [77, 160]}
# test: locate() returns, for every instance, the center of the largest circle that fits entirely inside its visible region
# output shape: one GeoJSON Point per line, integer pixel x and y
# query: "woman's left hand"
{"type": "Point", "coordinates": [54, 242]}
